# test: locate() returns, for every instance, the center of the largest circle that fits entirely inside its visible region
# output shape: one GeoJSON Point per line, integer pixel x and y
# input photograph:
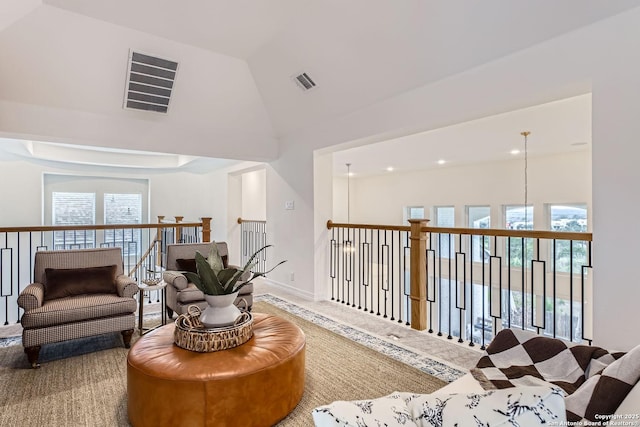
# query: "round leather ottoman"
{"type": "Point", "coordinates": [255, 384]}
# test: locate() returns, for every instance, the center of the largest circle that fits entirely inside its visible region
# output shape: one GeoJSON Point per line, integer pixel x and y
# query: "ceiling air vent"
{"type": "Point", "coordinates": [304, 81]}
{"type": "Point", "coordinates": [149, 82]}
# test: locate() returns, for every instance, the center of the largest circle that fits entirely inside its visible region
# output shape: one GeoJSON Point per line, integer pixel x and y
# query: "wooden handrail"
{"type": "Point", "coordinates": [529, 234]}
{"type": "Point", "coordinates": [92, 227]}
{"type": "Point", "coordinates": [331, 224]}
{"type": "Point", "coordinates": [144, 256]}
{"type": "Point", "coordinates": [241, 220]}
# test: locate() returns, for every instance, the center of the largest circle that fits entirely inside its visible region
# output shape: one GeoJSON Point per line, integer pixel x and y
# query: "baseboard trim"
{"type": "Point", "coordinates": [310, 296]}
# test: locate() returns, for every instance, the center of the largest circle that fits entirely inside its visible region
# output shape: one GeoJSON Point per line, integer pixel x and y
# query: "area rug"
{"type": "Point", "coordinates": [89, 388]}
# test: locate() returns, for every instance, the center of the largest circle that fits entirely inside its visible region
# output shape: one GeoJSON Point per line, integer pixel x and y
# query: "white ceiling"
{"type": "Point", "coordinates": [234, 86]}
{"type": "Point", "coordinates": [555, 127]}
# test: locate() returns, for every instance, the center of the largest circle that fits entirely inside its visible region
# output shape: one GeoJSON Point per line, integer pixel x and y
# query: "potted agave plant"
{"type": "Point", "coordinates": [220, 285]}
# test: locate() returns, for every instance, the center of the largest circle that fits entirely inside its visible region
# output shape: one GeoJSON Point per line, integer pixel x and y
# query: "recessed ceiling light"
{"type": "Point", "coordinates": [390, 169]}
{"type": "Point", "coordinates": [441, 162]}
{"type": "Point", "coordinates": [514, 152]}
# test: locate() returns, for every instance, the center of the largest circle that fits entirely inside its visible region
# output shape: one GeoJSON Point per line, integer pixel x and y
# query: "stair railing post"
{"type": "Point", "coordinates": [178, 236]}
{"type": "Point", "coordinates": [159, 238]}
{"type": "Point", "coordinates": [418, 259]}
{"type": "Point", "coordinates": [206, 229]}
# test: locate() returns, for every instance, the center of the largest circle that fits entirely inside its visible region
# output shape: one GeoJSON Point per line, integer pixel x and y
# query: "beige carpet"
{"type": "Point", "coordinates": [90, 389]}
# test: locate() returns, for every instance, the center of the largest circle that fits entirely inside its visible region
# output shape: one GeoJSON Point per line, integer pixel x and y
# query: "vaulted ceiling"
{"type": "Point", "coordinates": [64, 62]}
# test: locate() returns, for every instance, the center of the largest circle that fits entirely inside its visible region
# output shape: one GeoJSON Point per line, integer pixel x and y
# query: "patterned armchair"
{"type": "Point", "coordinates": [76, 294]}
{"type": "Point", "coordinates": [180, 292]}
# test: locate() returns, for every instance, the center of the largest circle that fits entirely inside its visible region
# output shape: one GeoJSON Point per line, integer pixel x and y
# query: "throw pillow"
{"type": "Point", "coordinates": [523, 406]}
{"type": "Point", "coordinates": [66, 282]}
{"type": "Point", "coordinates": [602, 393]}
{"type": "Point", "coordinates": [189, 264]}
{"type": "Point", "coordinates": [390, 411]}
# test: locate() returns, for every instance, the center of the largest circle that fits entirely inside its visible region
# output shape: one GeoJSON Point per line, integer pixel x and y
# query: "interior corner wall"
{"type": "Point", "coordinates": [234, 211]}
{"type": "Point", "coordinates": [616, 177]}
{"type": "Point", "coordinates": [291, 231]}
{"type": "Point", "coordinates": [596, 58]}
{"type": "Point", "coordinates": [254, 202]}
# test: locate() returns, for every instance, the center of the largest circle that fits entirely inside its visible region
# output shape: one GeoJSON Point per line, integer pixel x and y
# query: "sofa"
{"type": "Point", "coordinates": [76, 294]}
{"type": "Point", "coordinates": [522, 379]}
{"type": "Point", "coordinates": [180, 292]}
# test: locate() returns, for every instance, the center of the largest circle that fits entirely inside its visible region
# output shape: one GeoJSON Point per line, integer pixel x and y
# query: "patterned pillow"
{"type": "Point", "coordinates": [390, 411]}
{"type": "Point", "coordinates": [524, 406]}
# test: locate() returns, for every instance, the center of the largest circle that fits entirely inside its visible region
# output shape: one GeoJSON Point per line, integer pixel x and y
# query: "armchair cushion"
{"type": "Point", "coordinates": [65, 311]}
{"type": "Point", "coordinates": [66, 282]}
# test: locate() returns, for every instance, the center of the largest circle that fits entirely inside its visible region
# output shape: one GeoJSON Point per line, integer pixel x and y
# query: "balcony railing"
{"type": "Point", "coordinates": [143, 249]}
{"type": "Point", "coordinates": [253, 237]}
{"type": "Point", "coordinates": [465, 283]}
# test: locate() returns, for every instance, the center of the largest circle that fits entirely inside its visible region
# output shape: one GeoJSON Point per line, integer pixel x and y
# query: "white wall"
{"type": "Point", "coordinates": [254, 195]}
{"type": "Point", "coordinates": [562, 178]}
{"type": "Point", "coordinates": [170, 193]}
{"type": "Point", "coordinates": [596, 58]}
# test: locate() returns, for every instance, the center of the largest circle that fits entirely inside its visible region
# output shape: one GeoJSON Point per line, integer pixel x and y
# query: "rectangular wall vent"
{"type": "Point", "coordinates": [304, 81]}
{"type": "Point", "coordinates": [149, 82]}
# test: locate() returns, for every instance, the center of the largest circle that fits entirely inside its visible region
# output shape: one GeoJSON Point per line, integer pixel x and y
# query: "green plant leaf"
{"type": "Point", "coordinates": [214, 259]}
{"type": "Point", "coordinates": [210, 283]}
{"type": "Point", "coordinates": [213, 279]}
{"type": "Point", "coordinates": [228, 277]}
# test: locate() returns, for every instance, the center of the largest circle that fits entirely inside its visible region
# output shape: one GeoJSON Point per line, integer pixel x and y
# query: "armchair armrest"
{"type": "Point", "coordinates": [176, 279]}
{"type": "Point", "coordinates": [126, 286]}
{"type": "Point", "coordinates": [31, 297]}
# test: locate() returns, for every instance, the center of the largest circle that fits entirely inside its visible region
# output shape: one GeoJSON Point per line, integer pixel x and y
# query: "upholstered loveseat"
{"type": "Point", "coordinates": [523, 379]}
{"type": "Point", "coordinates": [180, 292]}
{"type": "Point", "coordinates": [76, 294]}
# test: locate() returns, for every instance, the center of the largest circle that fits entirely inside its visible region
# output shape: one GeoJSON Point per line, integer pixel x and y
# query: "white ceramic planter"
{"type": "Point", "coordinates": [221, 311]}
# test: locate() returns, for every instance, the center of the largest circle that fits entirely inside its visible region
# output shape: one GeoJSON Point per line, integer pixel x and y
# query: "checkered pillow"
{"type": "Point", "coordinates": [518, 357]}
{"type": "Point", "coordinates": [603, 392]}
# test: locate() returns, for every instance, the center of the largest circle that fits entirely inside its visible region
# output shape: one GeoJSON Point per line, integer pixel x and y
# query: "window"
{"type": "Point", "coordinates": [414, 212]}
{"type": "Point", "coordinates": [571, 218]}
{"type": "Point", "coordinates": [87, 200]}
{"type": "Point", "coordinates": [518, 218]}
{"type": "Point", "coordinates": [123, 209]}
{"type": "Point", "coordinates": [445, 217]}
{"type": "Point", "coordinates": [479, 217]}
{"type": "Point", "coordinates": [73, 209]}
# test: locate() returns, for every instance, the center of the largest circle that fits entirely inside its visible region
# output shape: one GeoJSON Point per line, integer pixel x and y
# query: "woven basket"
{"type": "Point", "coordinates": [191, 335]}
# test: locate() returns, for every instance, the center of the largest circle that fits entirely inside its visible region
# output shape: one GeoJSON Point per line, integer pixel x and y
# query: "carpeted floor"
{"type": "Point", "coordinates": [90, 389]}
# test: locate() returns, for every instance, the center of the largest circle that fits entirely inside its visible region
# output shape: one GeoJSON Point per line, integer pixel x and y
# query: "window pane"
{"type": "Point", "coordinates": [415, 212]}
{"type": "Point", "coordinates": [519, 218]}
{"type": "Point", "coordinates": [123, 209]}
{"type": "Point", "coordinates": [73, 209]}
{"type": "Point", "coordinates": [445, 217]}
{"type": "Point", "coordinates": [480, 217]}
{"type": "Point", "coordinates": [569, 218]}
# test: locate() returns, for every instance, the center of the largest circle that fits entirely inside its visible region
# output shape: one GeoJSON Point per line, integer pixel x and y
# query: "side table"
{"type": "Point", "coordinates": [160, 286]}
